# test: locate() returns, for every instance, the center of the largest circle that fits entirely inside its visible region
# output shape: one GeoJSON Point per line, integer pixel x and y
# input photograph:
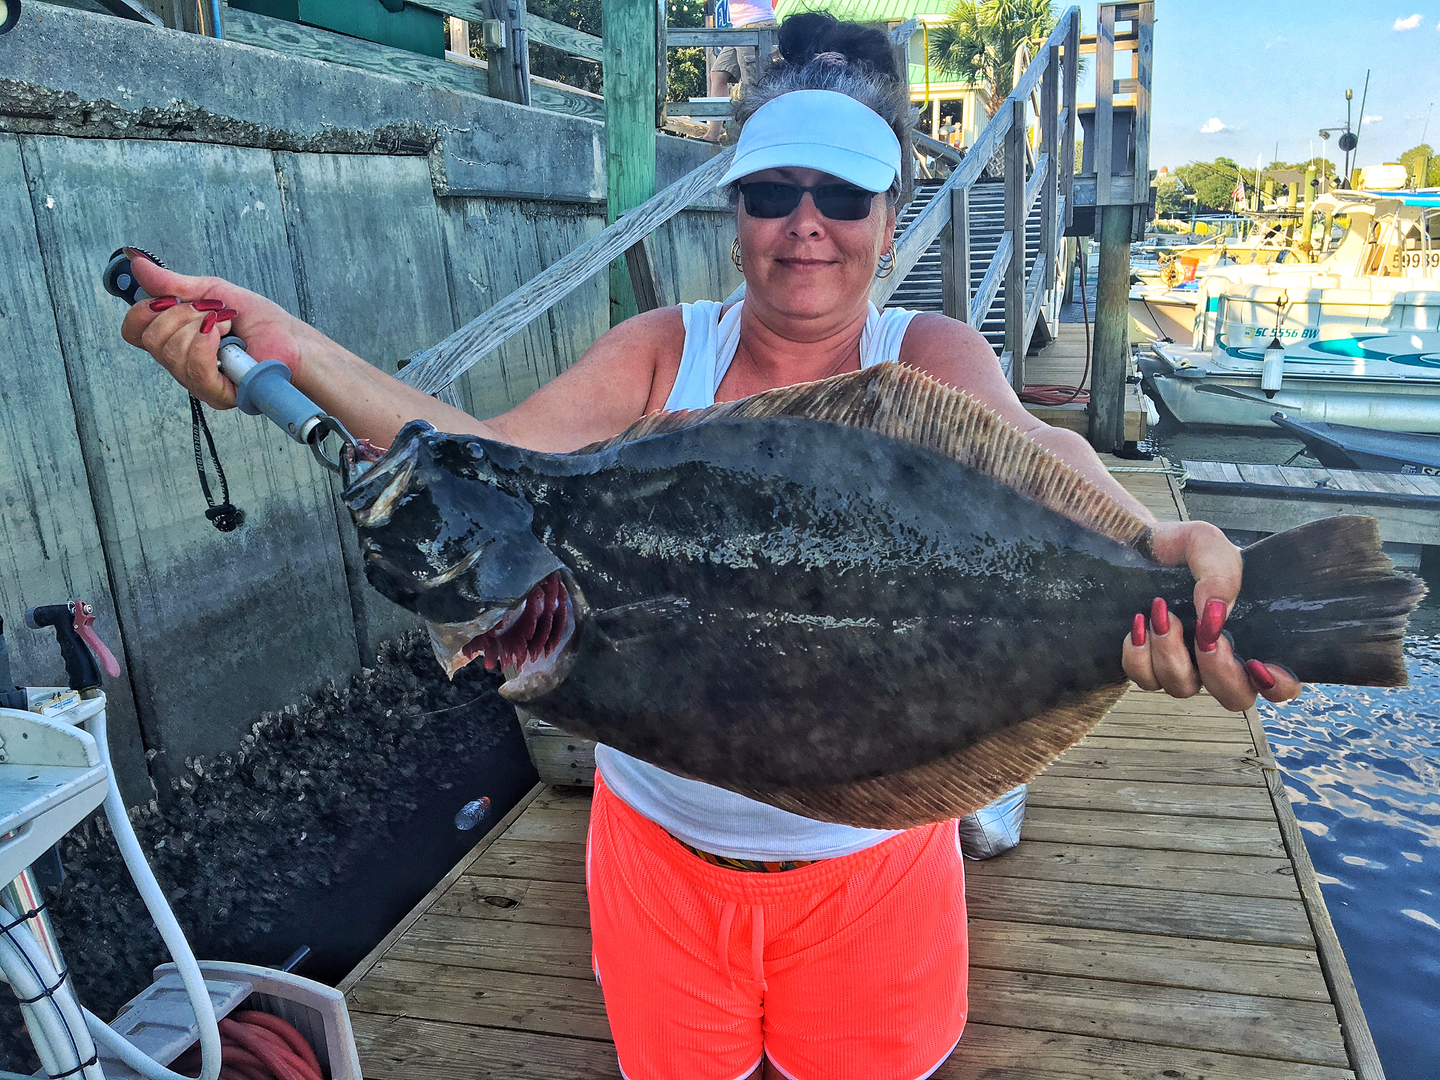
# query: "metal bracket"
{"type": "Point", "coordinates": [325, 427]}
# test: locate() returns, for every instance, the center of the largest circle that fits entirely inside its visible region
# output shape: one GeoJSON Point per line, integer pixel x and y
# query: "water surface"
{"type": "Point", "coordinates": [1362, 769]}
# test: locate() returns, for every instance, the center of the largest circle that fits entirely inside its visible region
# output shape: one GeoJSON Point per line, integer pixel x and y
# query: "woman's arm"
{"type": "Point", "coordinates": [1154, 654]}
{"type": "Point", "coordinates": [608, 388]}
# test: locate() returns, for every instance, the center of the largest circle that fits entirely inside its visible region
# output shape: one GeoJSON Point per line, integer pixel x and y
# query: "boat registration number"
{"type": "Point", "coordinates": [1419, 470]}
{"type": "Point", "coordinates": [1293, 333]}
{"type": "Point", "coordinates": [1415, 260]}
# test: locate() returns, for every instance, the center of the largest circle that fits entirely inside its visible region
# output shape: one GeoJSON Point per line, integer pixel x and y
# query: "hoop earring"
{"type": "Point", "coordinates": [887, 265]}
{"type": "Point", "coordinates": [735, 255]}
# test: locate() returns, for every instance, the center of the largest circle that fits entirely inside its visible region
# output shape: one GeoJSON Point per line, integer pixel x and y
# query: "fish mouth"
{"type": "Point", "coordinates": [531, 643]}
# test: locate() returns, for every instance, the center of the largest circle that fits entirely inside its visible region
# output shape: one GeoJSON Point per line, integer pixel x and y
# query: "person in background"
{"type": "Point", "coordinates": [735, 64]}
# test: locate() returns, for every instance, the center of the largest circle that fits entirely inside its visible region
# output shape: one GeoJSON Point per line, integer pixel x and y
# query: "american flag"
{"type": "Point", "coordinates": [1238, 195]}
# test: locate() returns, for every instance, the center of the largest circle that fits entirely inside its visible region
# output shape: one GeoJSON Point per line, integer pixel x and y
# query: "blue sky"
{"type": "Point", "coordinates": [1234, 77]}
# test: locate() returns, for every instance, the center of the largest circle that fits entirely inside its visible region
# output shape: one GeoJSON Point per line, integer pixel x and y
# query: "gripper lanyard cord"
{"type": "Point", "coordinates": [224, 515]}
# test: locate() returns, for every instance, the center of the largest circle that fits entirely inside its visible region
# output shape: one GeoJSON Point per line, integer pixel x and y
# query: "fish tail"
{"type": "Point", "coordinates": [1325, 601]}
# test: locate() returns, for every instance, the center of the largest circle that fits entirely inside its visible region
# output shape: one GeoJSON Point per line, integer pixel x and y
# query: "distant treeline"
{"type": "Point", "coordinates": [1208, 186]}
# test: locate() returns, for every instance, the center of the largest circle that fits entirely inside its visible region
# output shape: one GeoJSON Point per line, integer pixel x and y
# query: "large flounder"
{"type": "Point", "coordinates": [867, 600]}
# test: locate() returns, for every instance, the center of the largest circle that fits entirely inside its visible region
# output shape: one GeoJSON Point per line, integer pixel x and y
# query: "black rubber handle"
{"type": "Point", "coordinates": [80, 666]}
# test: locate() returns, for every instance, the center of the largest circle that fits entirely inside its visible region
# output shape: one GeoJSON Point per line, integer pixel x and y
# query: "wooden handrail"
{"type": "Point", "coordinates": [1032, 186]}
{"type": "Point", "coordinates": [935, 146]}
{"type": "Point", "coordinates": [434, 368]}
{"type": "Point", "coordinates": [994, 273]}
{"type": "Point", "coordinates": [565, 38]}
{"type": "Point", "coordinates": [714, 37]}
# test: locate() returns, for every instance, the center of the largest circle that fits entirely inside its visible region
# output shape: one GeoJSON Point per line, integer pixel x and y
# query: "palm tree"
{"type": "Point", "coordinates": [978, 39]}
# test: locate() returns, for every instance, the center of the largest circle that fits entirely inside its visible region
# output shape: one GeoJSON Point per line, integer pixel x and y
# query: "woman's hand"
{"type": "Point", "coordinates": [1154, 651]}
{"type": "Point", "coordinates": [182, 325]}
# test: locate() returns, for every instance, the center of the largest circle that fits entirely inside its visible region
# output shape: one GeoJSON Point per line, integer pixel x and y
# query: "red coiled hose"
{"type": "Point", "coordinates": [257, 1046]}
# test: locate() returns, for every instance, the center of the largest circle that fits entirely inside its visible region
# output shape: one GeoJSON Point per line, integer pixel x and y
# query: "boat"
{"type": "Point", "coordinates": [1353, 339]}
{"type": "Point", "coordinates": [1359, 355]}
{"type": "Point", "coordinates": [1342, 446]}
{"type": "Point", "coordinates": [1382, 234]}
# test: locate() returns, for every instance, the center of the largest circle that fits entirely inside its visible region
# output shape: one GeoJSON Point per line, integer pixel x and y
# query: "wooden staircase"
{"type": "Point", "coordinates": [920, 290]}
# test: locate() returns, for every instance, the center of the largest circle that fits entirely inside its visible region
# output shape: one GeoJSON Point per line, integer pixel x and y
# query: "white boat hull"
{"type": "Point", "coordinates": [1199, 393]}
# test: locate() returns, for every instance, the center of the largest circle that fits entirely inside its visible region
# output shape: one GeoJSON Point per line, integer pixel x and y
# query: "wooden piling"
{"type": "Point", "coordinates": [1112, 315]}
{"type": "Point", "coordinates": [629, 80]}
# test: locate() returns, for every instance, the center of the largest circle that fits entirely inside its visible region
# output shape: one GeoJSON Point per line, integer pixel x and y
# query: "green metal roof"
{"type": "Point", "coordinates": [867, 10]}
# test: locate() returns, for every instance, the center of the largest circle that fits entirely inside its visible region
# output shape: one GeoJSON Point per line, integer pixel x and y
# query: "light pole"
{"type": "Point", "coordinates": [1348, 136]}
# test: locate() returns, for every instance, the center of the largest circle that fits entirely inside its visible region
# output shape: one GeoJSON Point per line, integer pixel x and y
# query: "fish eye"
{"type": "Point", "coordinates": [477, 451]}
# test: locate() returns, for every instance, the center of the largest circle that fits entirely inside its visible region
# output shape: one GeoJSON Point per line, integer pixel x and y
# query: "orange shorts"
{"type": "Point", "coordinates": [852, 966]}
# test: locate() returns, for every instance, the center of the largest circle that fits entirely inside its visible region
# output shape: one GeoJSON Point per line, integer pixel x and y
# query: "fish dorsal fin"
{"type": "Point", "coordinates": [903, 403]}
{"type": "Point", "coordinates": [958, 783]}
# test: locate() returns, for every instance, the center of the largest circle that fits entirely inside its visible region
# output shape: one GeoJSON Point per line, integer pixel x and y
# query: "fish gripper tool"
{"type": "Point", "coordinates": [261, 386]}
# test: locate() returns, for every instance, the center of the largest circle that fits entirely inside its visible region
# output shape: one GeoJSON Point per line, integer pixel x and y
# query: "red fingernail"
{"type": "Point", "coordinates": [135, 253]}
{"type": "Point", "coordinates": [1137, 631]}
{"type": "Point", "coordinates": [208, 323]}
{"type": "Point", "coordinates": [1261, 677]}
{"type": "Point", "coordinates": [164, 303]}
{"type": "Point", "coordinates": [1159, 617]}
{"type": "Point", "coordinates": [1207, 630]}
{"type": "Point", "coordinates": [207, 304]}
{"type": "Point", "coordinates": [225, 314]}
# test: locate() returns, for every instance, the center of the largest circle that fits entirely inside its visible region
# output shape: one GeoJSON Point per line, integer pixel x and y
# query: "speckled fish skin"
{"type": "Point", "coordinates": [780, 601]}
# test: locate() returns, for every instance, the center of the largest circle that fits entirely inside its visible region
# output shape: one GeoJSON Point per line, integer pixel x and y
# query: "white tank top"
{"type": "Point", "coordinates": [711, 818]}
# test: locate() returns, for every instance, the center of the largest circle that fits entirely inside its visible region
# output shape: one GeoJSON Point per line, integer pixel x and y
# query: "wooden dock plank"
{"type": "Point", "coordinates": [1152, 925]}
{"type": "Point", "coordinates": [555, 861]}
{"type": "Point", "coordinates": [1273, 1028]}
{"type": "Point", "coordinates": [406, 1048]}
{"type": "Point", "coordinates": [1152, 960]}
{"type": "Point", "coordinates": [1147, 868]}
{"type": "Point", "coordinates": [504, 999]}
{"type": "Point", "coordinates": [1160, 741]}
{"type": "Point", "coordinates": [1008, 1053]}
{"type": "Point", "coordinates": [1062, 363]}
{"type": "Point", "coordinates": [1221, 836]}
{"type": "Point", "coordinates": [1263, 920]}
{"type": "Point", "coordinates": [511, 899]}
{"type": "Point", "coordinates": [1186, 800]}
{"type": "Point", "coordinates": [1262, 474]}
{"type": "Point", "coordinates": [1158, 765]}
{"type": "Point", "coordinates": [496, 945]}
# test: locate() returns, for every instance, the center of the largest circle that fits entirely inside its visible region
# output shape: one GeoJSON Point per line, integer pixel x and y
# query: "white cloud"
{"type": "Point", "coordinates": [1281, 40]}
{"type": "Point", "coordinates": [1372, 119]}
{"type": "Point", "coordinates": [1213, 126]}
{"type": "Point", "coordinates": [1412, 23]}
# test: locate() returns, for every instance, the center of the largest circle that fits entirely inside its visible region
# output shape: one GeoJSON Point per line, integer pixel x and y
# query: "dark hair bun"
{"type": "Point", "coordinates": [804, 36]}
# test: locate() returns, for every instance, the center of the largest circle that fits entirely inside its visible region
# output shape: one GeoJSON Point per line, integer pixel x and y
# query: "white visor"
{"type": "Point", "coordinates": [818, 129]}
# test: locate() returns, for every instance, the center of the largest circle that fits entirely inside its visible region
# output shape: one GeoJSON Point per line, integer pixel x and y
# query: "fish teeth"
{"type": "Point", "coordinates": [528, 632]}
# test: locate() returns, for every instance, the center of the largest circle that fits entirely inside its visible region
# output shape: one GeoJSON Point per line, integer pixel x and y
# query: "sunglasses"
{"type": "Point", "coordinates": [839, 202]}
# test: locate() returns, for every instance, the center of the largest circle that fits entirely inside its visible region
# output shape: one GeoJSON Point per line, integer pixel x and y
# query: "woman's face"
{"type": "Point", "coordinates": [806, 265]}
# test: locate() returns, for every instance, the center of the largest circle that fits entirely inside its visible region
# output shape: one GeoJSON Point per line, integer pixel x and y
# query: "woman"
{"type": "Point", "coordinates": [727, 932]}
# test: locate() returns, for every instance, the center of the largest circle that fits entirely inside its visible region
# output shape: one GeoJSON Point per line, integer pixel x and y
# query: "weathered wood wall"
{"type": "Point", "coordinates": [384, 212]}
